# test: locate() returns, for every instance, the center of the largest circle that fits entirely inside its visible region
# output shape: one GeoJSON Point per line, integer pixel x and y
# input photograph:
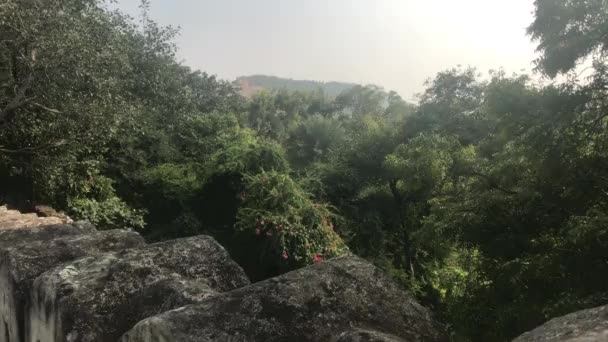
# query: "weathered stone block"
{"type": "Point", "coordinates": [26, 253]}
{"type": "Point", "coordinates": [581, 326]}
{"type": "Point", "coordinates": [99, 298]}
{"type": "Point", "coordinates": [317, 303]}
{"type": "Point", "coordinates": [11, 237]}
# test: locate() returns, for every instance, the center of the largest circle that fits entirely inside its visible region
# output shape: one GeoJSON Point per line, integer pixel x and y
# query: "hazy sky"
{"type": "Point", "coordinates": [397, 44]}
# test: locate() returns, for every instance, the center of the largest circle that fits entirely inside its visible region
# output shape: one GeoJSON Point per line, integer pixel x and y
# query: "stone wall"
{"type": "Point", "coordinates": [64, 281]}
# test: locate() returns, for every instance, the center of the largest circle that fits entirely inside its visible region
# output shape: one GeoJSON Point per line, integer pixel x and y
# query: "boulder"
{"type": "Point", "coordinates": [582, 326]}
{"type": "Point", "coordinates": [11, 237]}
{"type": "Point", "coordinates": [26, 253]}
{"type": "Point", "coordinates": [320, 302]}
{"type": "Point", "coordinates": [99, 298]}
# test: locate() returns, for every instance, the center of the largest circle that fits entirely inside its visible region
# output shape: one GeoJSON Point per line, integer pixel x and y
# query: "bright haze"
{"type": "Point", "coordinates": [397, 44]}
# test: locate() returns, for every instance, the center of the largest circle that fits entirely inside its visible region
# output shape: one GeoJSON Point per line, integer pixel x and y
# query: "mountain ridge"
{"type": "Point", "coordinates": [252, 84]}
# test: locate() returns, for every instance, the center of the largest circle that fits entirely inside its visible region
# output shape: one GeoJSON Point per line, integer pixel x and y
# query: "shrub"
{"type": "Point", "coordinates": [103, 208]}
{"type": "Point", "coordinates": [288, 229]}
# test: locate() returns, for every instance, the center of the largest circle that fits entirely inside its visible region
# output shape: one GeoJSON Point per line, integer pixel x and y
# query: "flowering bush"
{"type": "Point", "coordinates": [292, 231]}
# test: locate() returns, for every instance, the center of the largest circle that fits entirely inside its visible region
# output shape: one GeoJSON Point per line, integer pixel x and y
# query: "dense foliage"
{"type": "Point", "coordinates": [488, 199]}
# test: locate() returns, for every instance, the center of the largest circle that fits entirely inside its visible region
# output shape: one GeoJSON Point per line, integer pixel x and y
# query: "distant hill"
{"type": "Point", "coordinates": [251, 85]}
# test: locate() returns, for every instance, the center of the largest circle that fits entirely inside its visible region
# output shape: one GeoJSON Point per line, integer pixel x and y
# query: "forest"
{"type": "Point", "coordinates": [487, 199]}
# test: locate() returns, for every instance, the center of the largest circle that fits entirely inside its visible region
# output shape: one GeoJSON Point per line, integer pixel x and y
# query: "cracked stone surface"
{"type": "Point", "coordinates": [321, 302]}
{"type": "Point", "coordinates": [65, 281]}
{"type": "Point", "coordinates": [101, 297]}
{"type": "Point", "coordinates": [26, 253]}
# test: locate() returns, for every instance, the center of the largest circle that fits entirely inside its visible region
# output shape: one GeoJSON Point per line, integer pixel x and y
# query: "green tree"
{"type": "Point", "coordinates": [362, 100]}
{"type": "Point", "coordinates": [569, 31]}
{"type": "Point", "coordinates": [314, 138]}
{"type": "Point", "coordinates": [62, 99]}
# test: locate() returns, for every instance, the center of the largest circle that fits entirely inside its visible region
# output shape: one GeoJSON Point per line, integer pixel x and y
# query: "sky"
{"type": "Point", "coordinates": [397, 44]}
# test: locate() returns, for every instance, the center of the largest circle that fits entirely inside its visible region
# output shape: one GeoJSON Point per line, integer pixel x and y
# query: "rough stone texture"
{"type": "Point", "coordinates": [11, 237]}
{"type": "Point", "coordinates": [26, 253]}
{"type": "Point", "coordinates": [100, 298]}
{"type": "Point", "coordinates": [68, 282]}
{"type": "Point", "coordinates": [316, 303]}
{"type": "Point", "coordinates": [582, 326]}
{"type": "Point", "coordinates": [360, 335]}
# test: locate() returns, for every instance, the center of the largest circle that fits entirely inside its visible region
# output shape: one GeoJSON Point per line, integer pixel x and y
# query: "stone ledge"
{"type": "Point", "coordinates": [68, 282]}
{"type": "Point", "coordinates": [101, 297]}
{"type": "Point", "coordinates": [315, 303]}
{"type": "Point", "coordinates": [22, 261]}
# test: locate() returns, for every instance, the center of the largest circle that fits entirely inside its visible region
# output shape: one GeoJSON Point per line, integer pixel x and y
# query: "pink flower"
{"type": "Point", "coordinates": [257, 232]}
{"type": "Point", "coordinates": [331, 225]}
{"type": "Point", "coordinates": [269, 234]}
{"type": "Point", "coordinates": [317, 258]}
{"type": "Point", "coordinates": [285, 255]}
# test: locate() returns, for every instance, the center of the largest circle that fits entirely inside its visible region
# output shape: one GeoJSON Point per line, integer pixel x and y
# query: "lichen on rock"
{"type": "Point", "coordinates": [99, 298]}
{"type": "Point", "coordinates": [315, 303]}
{"type": "Point", "coordinates": [28, 252]}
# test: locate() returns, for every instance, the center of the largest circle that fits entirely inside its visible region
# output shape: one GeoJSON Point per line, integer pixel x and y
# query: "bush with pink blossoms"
{"type": "Point", "coordinates": [289, 228]}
